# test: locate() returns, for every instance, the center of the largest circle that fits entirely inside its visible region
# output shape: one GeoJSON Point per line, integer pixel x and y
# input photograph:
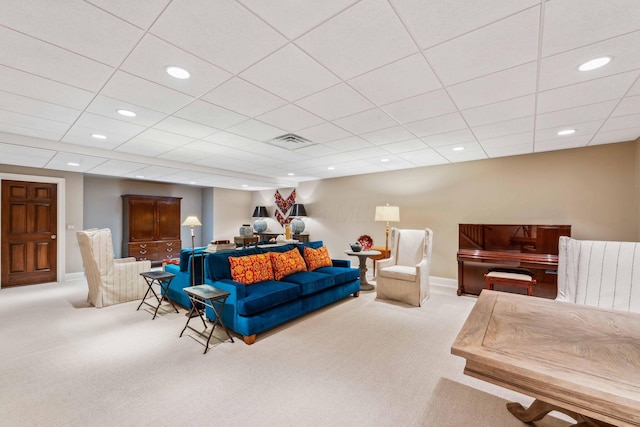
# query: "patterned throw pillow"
{"type": "Point", "coordinates": [287, 263]}
{"type": "Point", "coordinates": [317, 258]}
{"type": "Point", "coordinates": [251, 268]}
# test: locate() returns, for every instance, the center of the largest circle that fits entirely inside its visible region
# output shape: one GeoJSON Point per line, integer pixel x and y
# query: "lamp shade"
{"type": "Point", "coordinates": [192, 221]}
{"type": "Point", "coordinates": [387, 213]}
{"type": "Point", "coordinates": [298, 210]}
{"type": "Point", "coordinates": [260, 212]}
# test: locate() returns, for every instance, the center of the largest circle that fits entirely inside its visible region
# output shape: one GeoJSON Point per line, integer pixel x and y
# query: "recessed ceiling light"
{"type": "Point", "coordinates": [331, 168]}
{"type": "Point", "coordinates": [126, 113]}
{"type": "Point", "coordinates": [458, 148]}
{"type": "Point", "coordinates": [73, 164]}
{"type": "Point", "coordinates": [177, 72]}
{"type": "Point", "coordinates": [98, 136]}
{"type": "Point", "coordinates": [290, 174]}
{"type": "Point", "coordinates": [384, 160]}
{"type": "Point", "coordinates": [192, 182]}
{"type": "Point", "coordinates": [245, 185]}
{"type": "Point", "coordinates": [595, 63]}
{"type": "Point", "coordinates": [566, 132]}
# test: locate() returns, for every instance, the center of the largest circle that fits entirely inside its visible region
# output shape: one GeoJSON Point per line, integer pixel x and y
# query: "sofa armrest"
{"type": "Point", "coordinates": [236, 290]}
{"type": "Point", "coordinates": [341, 263]}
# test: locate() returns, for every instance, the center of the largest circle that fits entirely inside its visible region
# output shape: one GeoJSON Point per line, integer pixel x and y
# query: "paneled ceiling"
{"type": "Point", "coordinates": [367, 86]}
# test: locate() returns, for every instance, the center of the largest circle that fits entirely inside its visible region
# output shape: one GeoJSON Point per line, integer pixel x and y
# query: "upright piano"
{"type": "Point", "coordinates": [529, 248]}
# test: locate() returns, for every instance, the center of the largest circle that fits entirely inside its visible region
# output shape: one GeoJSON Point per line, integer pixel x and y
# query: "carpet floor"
{"type": "Point", "coordinates": [358, 362]}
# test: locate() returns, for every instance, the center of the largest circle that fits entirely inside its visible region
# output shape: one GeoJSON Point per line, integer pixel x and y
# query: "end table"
{"type": "Point", "coordinates": [206, 295]}
{"type": "Point", "coordinates": [161, 278]}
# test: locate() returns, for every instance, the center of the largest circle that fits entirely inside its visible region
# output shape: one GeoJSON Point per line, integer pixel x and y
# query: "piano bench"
{"type": "Point", "coordinates": [517, 280]}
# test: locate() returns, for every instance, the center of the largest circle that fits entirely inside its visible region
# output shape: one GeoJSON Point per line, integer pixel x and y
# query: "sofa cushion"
{"type": "Point", "coordinates": [316, 258]}
{"type": "Point", "coordinates": [251, 268]}
{"type": "Point", "coordinates": [264, 295]}
{"type": "Point", "coordinates": [286, 263]}
{"type": "Point", "coordinates": [279, 248]}
{"type": "Point", "coordinates": [310, 282]}
{"type": "Point", "coordinates": [340, 274]}
{"type": "Point", "coordinates": [217, 264]}
{"type": "Point", "coordinates": [184, 257]}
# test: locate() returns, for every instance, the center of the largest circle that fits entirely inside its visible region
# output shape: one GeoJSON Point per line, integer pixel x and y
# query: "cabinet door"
{"type": "Point", "coordinates": [142, 220]}
{"type": "Point", "coordinates": [168, 220]}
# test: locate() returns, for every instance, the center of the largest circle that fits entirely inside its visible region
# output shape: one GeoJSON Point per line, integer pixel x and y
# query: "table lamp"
{"type": "Point", "coordinates": [192, 221]}
{"type": "Point", "coordinates": [387, 213]}
{"type": "Point", "coordinates": [297, 225]}
{"type": "Point", "coordinates": [260, 225]}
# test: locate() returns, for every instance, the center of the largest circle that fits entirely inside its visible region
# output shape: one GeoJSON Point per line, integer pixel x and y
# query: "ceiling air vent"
{"type": "Point", "coordinates": [290, 141]}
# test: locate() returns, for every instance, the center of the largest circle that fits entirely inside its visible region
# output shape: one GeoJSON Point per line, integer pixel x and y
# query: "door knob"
{"type": "Point", "coordinates": [53, 237]}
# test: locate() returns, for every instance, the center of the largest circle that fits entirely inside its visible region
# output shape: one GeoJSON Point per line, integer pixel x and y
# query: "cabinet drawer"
{"type": "Point", "coordinates": [142, 246]}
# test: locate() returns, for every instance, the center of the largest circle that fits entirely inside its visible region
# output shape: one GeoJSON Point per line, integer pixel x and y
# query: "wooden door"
{"type": "Point", "coordinates": [142, 219]}
{"type": "Point", "coordinates": [168, 219]}
{"type": "Point", "coordinates": [29, 233]}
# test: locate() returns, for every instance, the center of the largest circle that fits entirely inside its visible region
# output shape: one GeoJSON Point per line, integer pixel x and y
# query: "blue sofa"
{"type": "Point", "coordinates": [252, 309]}
{"type": "Point", "coordinates": [183, 275]}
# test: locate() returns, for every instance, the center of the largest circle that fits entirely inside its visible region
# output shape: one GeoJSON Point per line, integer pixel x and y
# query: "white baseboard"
{"type": "Point", "coordinates": [73, 276]}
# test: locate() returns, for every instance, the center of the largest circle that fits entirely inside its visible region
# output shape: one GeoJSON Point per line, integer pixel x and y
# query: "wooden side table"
{"type": "Point", "coordinates": [362, 257]}
{"type": "Point", "coordinates": [384, 253]}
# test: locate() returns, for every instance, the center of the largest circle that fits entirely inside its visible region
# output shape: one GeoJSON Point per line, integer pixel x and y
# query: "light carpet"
{"type": "Point", "coordinates": [358, 362]}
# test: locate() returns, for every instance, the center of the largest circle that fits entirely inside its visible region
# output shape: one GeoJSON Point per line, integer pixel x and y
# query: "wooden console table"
{"type": "Point", "coordinates": [578, 360]}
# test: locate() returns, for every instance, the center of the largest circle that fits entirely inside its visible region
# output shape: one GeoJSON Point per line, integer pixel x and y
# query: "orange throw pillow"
{"type": "Point", "coordinates": [251, 268]}
{"type": "Point", "coordinates": [317, 258]}
{"type": "Point", "coordinates": [287, 263]}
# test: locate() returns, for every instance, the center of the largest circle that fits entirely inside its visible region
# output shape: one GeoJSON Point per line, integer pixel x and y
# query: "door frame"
{"type": "Point", "coordinates": [62, 235]}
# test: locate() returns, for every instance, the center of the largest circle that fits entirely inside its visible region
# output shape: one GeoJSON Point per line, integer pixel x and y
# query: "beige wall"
{"type": "Point", "coordinates": [593, 189]}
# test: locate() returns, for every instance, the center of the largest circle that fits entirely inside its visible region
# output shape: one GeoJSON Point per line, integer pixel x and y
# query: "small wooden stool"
{"type": "Point", "coordinates": [503, 278]}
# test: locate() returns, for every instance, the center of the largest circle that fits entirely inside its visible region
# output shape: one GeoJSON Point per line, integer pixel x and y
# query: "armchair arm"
{"type": "Point", "coordinates": [385, 262]}
{"type": "Point", "coordinates": [422, 271]}
{"type": "Point", "coordinates": [125, 260]}
{"type": "Point", "coordinates": [341, 263]}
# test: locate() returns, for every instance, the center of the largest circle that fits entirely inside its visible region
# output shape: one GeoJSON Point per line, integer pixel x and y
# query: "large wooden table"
{"type": "Point", "coordinates": [579, 360]}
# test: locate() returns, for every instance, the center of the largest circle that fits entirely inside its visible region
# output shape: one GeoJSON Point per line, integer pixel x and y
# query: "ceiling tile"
{"type": "Point", "coordinates": [144, 147]}
{"type": "Point", "coordinates": [206, 148]}
{"type": "Point", "coordinates": [365, 36]}
{"type": "Point", "coordinates": [184, 127]}
{"type": "Point", "coordinates": [628, 105]}
{"type": "Point", "coordinates": [152, 172]}
{"type": "Point", "coordinates": [424, 157]}
{"type": "Point", "coordinates": [449, 138]}
{"type": "Point", "coordinates": [399, 80]}
{"type": "Point", "coordinates": [366, 121]}
{"type": "Point", "coordinates": [28, 54]}
{"type": "Point", "coordinates": [25, 84]}
{"type": "Point", "coordinates": [430, 22]}
{"type": "Point", "coordinates": [79, 163]}
{"type": "Point", "coordinates": [127, 87]}
{"type": "Point", "coordinates": [243, 97]}
{"type": "Point", "coordinates": [587, 129]}
{"type": "Point", "coordinates": [591, 92]}
{"type": "Point", "coordinates": [621, 122]}
{"type": "Point", "coordinates": [211, 115]}
{"type": "Point", "coordinates": [108, 107]}
{"type": "Point", "coordinates": [505, 110]}
{"type": "Point", "coordinates": [290, 118]}
{"type": "Point", "coordinates": [293, 18]}
{"type": "Point", "coordinates": [420, 107]}
{"type": "Point", "coordinates": [472, 151]}
{"type": "Point", "coordinates": [501, 86]}
{"type": "Point", "coordinates": [385, 136]}
{"type": "Point", "coordinates": [183, 155]}
{"type": "Point", "coordinates": [216, 30]}
{"type": "Point", "coordinates": [404, 146]}
{"type": "Point", "coordinates": [81, 135]}
{"type": "Point", "coordinates": [80, 31]}
{"type": "Point", "coordinates": [37, 108]}
{"type": "Point", "coordinates": [290, 73]}
{"type": "Point", "coordinates": [564, 29]}
{"type": "Point", "coordinates": [571, 116]}
{"type": "Point", "coordinates": [323, 133]}
{"type": "Point", "coordinates": [25, 156]}
{"type": "Point", "coordinates": [230, 140]}
{"type": "Point", "coordinates": [436, 125]}
{"type": "Point", "coordinates": [335, 102]}
{"type": "Point", "coordinates": [562, 69]}
{"type": "Point", "coordinates": [35, 123]}
{"type": "Point", "coordinates": [561, 144]}
{"type": "Point", "coordinates": [620, 135]}
{"type": "Point", "coordinates": [520, 140]}
{"type": "Point", "coordinates": [107, 125]}
{"type": "Point", "coordinates": [349, 144]}
{"type": "Point", "coordinates": [139, 13]}
{"type": "Point", "coordinates": [256, 130]}
{"type": "Point", "coordinates": [152, 55]}
{"type": "Point", "coordinates": [510, 150]}
{"type": "Point", "coordinates": [116, 168]}
{"type": "Point", "coordinates": [507, 43]}
{"type": "Point", "coordinates": [508, 127]}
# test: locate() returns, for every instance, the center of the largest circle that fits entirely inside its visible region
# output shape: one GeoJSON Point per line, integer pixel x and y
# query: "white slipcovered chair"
{"type": "Point", "coordinates": [111, 281]}
{"type": "Point", "coordinates": [602, 274]}
{"type": "Point", "coordinates": [404, 276]}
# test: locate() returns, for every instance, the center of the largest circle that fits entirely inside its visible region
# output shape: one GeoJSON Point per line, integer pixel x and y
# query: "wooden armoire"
{"type": "Point", "coordinates": [151, 227]}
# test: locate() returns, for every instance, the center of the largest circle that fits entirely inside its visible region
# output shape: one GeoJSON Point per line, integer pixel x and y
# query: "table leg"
{"type": "Point", "coordinates": [364, 285]}
{"type": "Point", "coordinates": [540, 409]}
{"type": "Point", "coordinates": [164, 285]}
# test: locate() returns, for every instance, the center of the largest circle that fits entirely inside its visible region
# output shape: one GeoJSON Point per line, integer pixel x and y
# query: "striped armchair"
{"type": "Point", "coordinates": [111, 281]}
{"type": "Point", "coordinates": [601, 274]}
